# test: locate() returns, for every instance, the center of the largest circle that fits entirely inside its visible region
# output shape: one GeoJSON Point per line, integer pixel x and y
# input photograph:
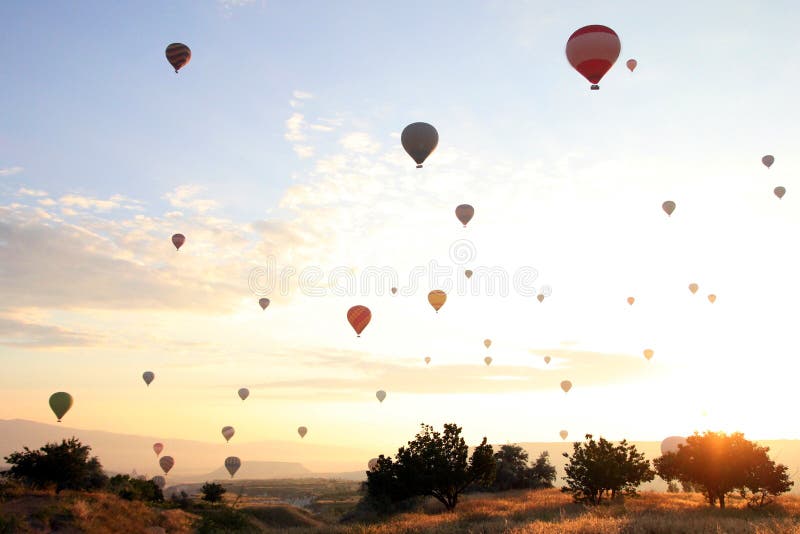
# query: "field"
{"type": "Point", "coordinates": [319, 506]}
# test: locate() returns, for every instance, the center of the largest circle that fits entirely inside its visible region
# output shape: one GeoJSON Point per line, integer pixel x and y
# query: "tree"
{"type": "Point", "coordinates": [213, 492]}
{"type": "Point", "coordinates": [513, 472]}
{"type": "Point", "coordinates": [135, 488]}
{"type": "Point", "coordinates": [718, 464]}
{"type": "Point", "coordinates": [431, 464]}
{"type": "Point", "coordinates": [66, 466]}
{"type": "Point", "coordinates": [597, 468]}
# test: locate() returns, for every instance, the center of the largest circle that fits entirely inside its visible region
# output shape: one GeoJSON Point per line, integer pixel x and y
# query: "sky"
{"type": "Point", "coordinates": [277, 152]}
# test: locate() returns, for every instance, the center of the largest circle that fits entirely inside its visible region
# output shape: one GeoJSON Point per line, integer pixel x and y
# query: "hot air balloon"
{"type": "Point", "coordinates": [394, 290]}
{"type": "Point", "coordinates": [563, 434]}
{"type": "Point", "coordinates": [488, 360]}
{"type": "Point", "coordinates": [178, 240]}
{"type": "Point", "coordinates": [779, 191]}
{"type": "Point", "coordinates": [487, 343]}
{"type": "Point", "coordinates": [166, 463]}
{"type": "Point", "coordinates": [380, 394]}
{"type": "Point", "coordinates": [712, 298]}
{"type": "Point", "coordinates": [232, 464]}
{"type": "Point", "coordinates": [244, 393]}
{"type": "Point", "coordinates": [540, 297]}
{"type": "Point", "coordinates": [437, 298]}
{"type": "Point", "coordinates": [668, 207]}
{"type": "Point", "coordinates": [60, 403]}
{"type": "Point", "coordinates": [671, 444]}
{"type": "Point", "coordinates": [302, 431]}
{"type": "Point", "coordinates": [464, 213]}
{"type": "Point", "coordinates": [157, 448]}
{"type": "Point", "coordinates": [178, 55]}
{"type": "Point", "coordinates": [566, 385]}
{"type": "Point", "coordinates": [648, 354]}
{"type": "Point", "coordinates": [631, 64]}
{"type": "Point", "coordinates": [263, 302]}
{"type": "Point", "coordinates": [547, 359]}
{"type": "Point", "coordinates": [631, 300]}
{"type": "Point", "coordinates": [427, 360]}
{"type": "Point", "coordinates": [359, 317]}
{"type": "Point", "coordinates": [592, 50]}
{"type": "Point", "coordinates": [372, 464]}
{"type": "Point", "coordinates": [693, 288]}
{"type": "Point", "coordinates": [768, 161]}
{"type": "Point", "coordinates": [148, 377]}
{"type": "Point", "coordinates": [159, 481]}
{"type": "Point", "coordinates": [227, 432]}
{"type": "Point", "coordinates": [468, 273]}
{"type": "Point", "coordinates": [419, 140]}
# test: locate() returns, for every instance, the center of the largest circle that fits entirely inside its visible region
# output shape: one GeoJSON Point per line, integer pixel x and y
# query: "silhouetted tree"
{"type": "Point", "coordinates": [135, 488]}
{"type": "Point", "coordinates": [597, 468]}
{"type": "Point", "coordinates": [513, 472]}
{"type": "Point", "coordinates": [66, 466]}
{"type": "Point", "coordinates": [431, 464]}
{"type": "Point", "coordinates": [717, 464]}
{"type": "Point", "coordinates": [213, 492]}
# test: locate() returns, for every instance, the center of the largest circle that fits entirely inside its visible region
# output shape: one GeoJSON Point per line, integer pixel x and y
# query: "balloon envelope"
{"type": "Point", "coordinates": [178, 55]}
{"type": "Point", "coordinates": [566, 385]}
{"type": "Point", "coordinates": [668, 207]}
{"type": "Point", "coordinates": [263, 302]}
{"type": "Point", "coordinates": [244, 393]}
{"type": "Point", "coordinates": [631, 300]}
{"type": "Point", "coordinates": [464, 212]}
{"type": "Point", "coordinates": [768, 161]}
{"type": "Point", "coordinates": [540, 297]}
{"type": "Point", "coordinates": [159, 481]}
{"type": "Point", "coordinates": [631, 64]}
{"type": "Point", "coordinates": [427, 360]}
{"type": "Point", "coordinates": [547, 359]}
{"type": "Point", "coordinates": [359, 317]}
{"type": "Point", "coordinates": [779, 191]}
{"type": "Point", "coordinates": [232, 464]}
{"type": "Point", "coordinates": [178, 240]}
{"type": "Point", "coordinates": [488, 360]}
{"type": "Point", "coordinates": [166, 463]}
{"type": "Point", "coordinates": [394, 290]}
{"type": "Point", "coordinates": [563, 434]}
{"type": "Point", "coordinates": [693, 288]}
{"type": "Point", "coordinates": [148, 377]}
{"type": "Point", "coordinates": [60, 403]}
{"type": "Point", "coordinates": [648, 353]}
{"type": "Point", "coordinates": [468, 273]}
{"type": "Point", "coordinates": [157, 448]}
{"type": "Point", "coordinates": [419, 140]}
{"type": "Point", "coordinates": [487, 343]}
{"type": "Point", "coordinates": [380, 394]}
{"type": "Point", "coordinates": [592, 50]}
{"type": "Point", "coordinates": [372, 464]}
{"type": "Point", "coordinates": [302, 431]}
{"type": "Point", "coordinates": [228, 432]}
{"type": "Point", "coordinates": [671, 443]}
{"type": "Point", "coordinates": [437, 298]}
{"type": "Point", "coordinates": [712, 298]}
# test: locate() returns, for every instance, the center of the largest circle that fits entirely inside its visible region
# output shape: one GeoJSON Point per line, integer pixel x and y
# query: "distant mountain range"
{"type": "Point", "coordinates": [197, 461]}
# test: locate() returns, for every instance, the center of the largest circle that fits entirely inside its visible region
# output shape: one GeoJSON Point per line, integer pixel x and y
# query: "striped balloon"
{"type": "Point", "coordinates": [178, 55]}
{"type": "Point", "coordinates": [359, 317]}
{"type": "Point", "coordinates": [592, 50]}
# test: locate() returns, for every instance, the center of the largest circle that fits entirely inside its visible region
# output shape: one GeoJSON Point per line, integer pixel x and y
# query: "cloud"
{"type": "Point", "coordinates": [294, 127]}
{"type": "Point", "coordinates": [15, 333]}
{"type": "Point", "coordinates": [10, 171]}
{"type": "Point", "coordinates": [321, 128]}
{"type": "Point", "coordinates": [32, 192]}
{"type": "Point", "coordinates": [302, 95]}
{"type": "Point", "coordinates": [231, 4]}
{"type": "Point", "coordinates": [184, 197]}
{"type": "Point", "coordinates": [360, 143]}
{"type": "Point", "coordinates": [304, 151]}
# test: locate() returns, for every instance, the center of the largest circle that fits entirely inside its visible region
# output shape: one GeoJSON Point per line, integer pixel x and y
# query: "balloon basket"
{"type": "Point", "coordinates": [419, 166]}
{"type": "Point", "coordinates": [595, 87]}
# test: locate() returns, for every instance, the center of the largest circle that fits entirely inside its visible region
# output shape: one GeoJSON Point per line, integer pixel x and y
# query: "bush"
{"type": "Point", "coordinates": [224, 519]}
{"type": "Point", "coordinates": [598, 468]}
{"type": "Point", "coordinates": [513, 472]}
{"type": "Point", "coordinates": [213, 492]}
{"type": "Point", "coordinates": [717, 464]}
{"type": "Point", "coordinates": [66, 466]}
{"type": "Point", "coordinates": [135, 489]}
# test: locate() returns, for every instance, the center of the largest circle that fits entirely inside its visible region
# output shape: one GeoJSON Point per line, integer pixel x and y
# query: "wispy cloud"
{"type": "Point", "coordinates": [15, 333]}
{"type": "Point", "coordinates": [9, 171]}
{"type": "Point", "coordinates": [186, 197]}
{"type": "Point", "coordinates": [32, 192]}
{"type": "Point", "coordinates": [294, 127]}
{"type": "Point", "coordinates": [360, 142]}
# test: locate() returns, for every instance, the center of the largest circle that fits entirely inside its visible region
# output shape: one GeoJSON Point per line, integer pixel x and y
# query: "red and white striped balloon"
{"type": "Point", "coordinates": [592, 50]}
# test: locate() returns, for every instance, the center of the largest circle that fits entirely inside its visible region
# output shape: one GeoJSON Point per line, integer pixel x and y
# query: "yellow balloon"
{"type": "Point", "coordinates": [437, 298]}
{"type": "Point", "coordinates": [563, 434]}
{"type": "Point", "coordinates": [648, 353]}
{"type": "Point", "coordinates": [693, 288]}
{"type": "Point", "coordinates": [712, 298]}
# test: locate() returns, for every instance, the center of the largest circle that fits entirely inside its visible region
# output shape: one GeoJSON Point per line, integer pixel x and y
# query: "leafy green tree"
{"type": "Point", "coordinates": [718, 464]}
{"type": "Point", "coordinates": [599, 468]}
{"type": "Point", "coordinates": [135, 488]}
{"type": "Point", "coordinates": [513, 472]}
{"type": "Point", "coordinates": [65, 465]}
{"type": "Point", "coordinates": [434, 464]}
{"type": "Point", "coordinates": [212, 492]}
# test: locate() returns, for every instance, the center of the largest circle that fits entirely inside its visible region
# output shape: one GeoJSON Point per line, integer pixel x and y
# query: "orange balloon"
{"type": "Point", "coordinates": [437, 298]}
{"type": "Point", "coordinates": [566, 385]}
{"type": "Point", "coordinates": [488, 360]}
{"type": "Point", "coordinates": [712, 298]}
{"type": "Point", "coordinates": [693, 288]}
{"type": "Point", "coordinates": [359, 317]}
{"type": "Point", "coordinates": [547, 359]}
{"type": "Point", "coordinates": [648, 353]}
{"type": "Point", "coordinates": [631, 300]}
